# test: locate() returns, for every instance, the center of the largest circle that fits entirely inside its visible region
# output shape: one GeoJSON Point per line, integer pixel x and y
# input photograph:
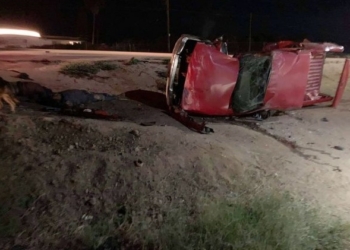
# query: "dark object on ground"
{"type": "Point", "coordinates": [49, 109]}
{"type": "Point", "coordinates": [138, 163]}
{"type": "Point", "coordinates": [75, 97]}
{"type": "Point", "coordinates": [190, 123]}
{"type": "Point", "coordinates": [135, 133]}
{"type": "Point", "coordinates": [149, 98]}
{"type": "Point", "coordinates": [44, 61]}
{"type": "Point", "coordinates": [89, 113]}
{"type": "Point", "coordinates": [45, 96]}
{"type": "Point", "coordinates": [161, 85]}
{"type": "Point", "coordinates": [338, 148]}
{"type": "Point", "coordinates": [324, 119]}
{"type": "Point", "coordinates": [80, 112]}
{"type": "Point", "coordinates": [132, 61]}
{"type": "Point", "coordinates": [110, 244]}
{"type": "Point", "coordinates": [35, 92]}
{"type": "Point", "coordinates": [337, 169]}
{"type": "Point", "coordinates": [24, 76]}
{"type": "Point", "coordinates": [147, 124]}
{"type": "Point", "coordinates": [18, 247]}
{"type": "Point", "coordinates": [162, 74]}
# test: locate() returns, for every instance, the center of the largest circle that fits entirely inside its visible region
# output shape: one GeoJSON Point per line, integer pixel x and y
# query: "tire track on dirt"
{"type": "Point", "coordinates": [293, 146]}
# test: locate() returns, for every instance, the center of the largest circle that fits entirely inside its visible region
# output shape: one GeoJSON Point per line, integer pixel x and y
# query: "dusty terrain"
{"type": "Point", "coordinates": [87, 167]}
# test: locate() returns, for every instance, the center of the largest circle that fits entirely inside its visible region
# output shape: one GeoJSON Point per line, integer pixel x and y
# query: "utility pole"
{"type": "Point", "coordinates": [168, 22]}
{"type": "Point", "coordinates": [93, 28]}
{"type": "Point", "coordinates": [250, 31]}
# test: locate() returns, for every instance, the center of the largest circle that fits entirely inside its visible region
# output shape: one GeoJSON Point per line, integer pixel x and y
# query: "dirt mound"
{"type": "Point", "coordinates": [68, 184]}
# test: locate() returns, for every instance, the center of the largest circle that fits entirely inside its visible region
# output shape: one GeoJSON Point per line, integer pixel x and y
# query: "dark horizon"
{"type": "Point", "coordinates": [135, 19]}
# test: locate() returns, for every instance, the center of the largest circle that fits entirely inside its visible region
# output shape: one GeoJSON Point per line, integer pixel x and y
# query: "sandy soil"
{"type": "Point", "coordinates": [124, 79]}
{"type": "Point", "coordinates": [85, 162]}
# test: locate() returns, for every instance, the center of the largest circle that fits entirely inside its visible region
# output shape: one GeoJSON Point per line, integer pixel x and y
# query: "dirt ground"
{"type": "Point", "coordinates": [81, 170]}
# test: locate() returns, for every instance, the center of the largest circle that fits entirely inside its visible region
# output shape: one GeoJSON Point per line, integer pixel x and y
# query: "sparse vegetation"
{"type": "Point", "coordinates": [263, 222]}
{"type": "Point", "coordinates": [105, 65]}
{"type": "Point", "coordinates": [79, 69]}
{"type": "Point", "coordinates": [68, 193]}
{"type": "Point", "coordinates": [86, 69]}
{"type": "Point", "coordinates": [133, 61]}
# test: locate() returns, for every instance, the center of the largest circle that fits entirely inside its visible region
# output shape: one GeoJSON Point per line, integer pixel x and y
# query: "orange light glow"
{"type": "Point", "coordinates": [19, 32]}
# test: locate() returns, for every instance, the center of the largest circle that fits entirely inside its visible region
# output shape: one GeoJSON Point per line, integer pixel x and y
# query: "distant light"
{"type": "Point", "coordinates": [19, 32]}
{"type": "Point", "coordinates": [74, 42]}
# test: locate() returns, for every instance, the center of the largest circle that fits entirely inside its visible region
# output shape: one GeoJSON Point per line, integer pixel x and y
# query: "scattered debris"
{"type": "Point", "coordinates": [278, 113]}
{"type": "Point", "coordinates": [337, 169]}
{"type": "Point", "coordinates": [138, 163]}
{"type": "Point", "coordinates": [338, 148]}
{"type": "Point", "coordinates": [132, 61]}
{"type": "Point", "coordinates": [135, 133]}
{"type": "Point", "coordinates": [24, 76]}
{"type": "Point", "coordinates": [87, 217]}
{"type": "Point", "coordinates": [147, 124]}
{"type": "Point", "coordinates": [92, 114]}
{"type": "Point", "coordinates": [46, 62]}
{"type": "Point", "coordinates": [161, 85]}
{"type": "Point", "coordinates": [190, 123]}
{"type": "Point", "coordinates": [162, 74]}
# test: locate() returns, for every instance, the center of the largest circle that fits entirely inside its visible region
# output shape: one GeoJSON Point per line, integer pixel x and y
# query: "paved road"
{"type": "Point", "coordinates": [72, 54]}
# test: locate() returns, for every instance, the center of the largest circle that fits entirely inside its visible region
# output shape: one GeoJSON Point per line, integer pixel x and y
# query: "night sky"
{"type": "Point", "coordinates": [317, 20]}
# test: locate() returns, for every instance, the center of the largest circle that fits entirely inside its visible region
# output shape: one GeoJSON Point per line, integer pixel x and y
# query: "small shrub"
{"type": "Point", "coordinates": [133, 61]}
{"type": "Point", "coordinates": [79, 69]}
{"type": "Point", "coordinates": [105, 65]}
{"type": "Point", "coordinates": [86, 69]}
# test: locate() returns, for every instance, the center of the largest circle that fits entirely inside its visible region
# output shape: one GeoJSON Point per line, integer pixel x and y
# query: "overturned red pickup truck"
{"type": "Point", "coordinates": [203, 79]}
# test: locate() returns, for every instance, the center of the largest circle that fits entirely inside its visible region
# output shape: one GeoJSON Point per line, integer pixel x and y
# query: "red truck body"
{"type": "Point", "coordinates": [285, 75]}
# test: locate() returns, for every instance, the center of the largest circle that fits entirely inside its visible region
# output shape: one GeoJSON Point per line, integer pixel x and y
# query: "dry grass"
{"type": "Point", "coordinates": [91, 199]}
{"type": "Point", "coordinates": [133, 61]}
{"type": "Point", "coordinates": [86, 69]}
